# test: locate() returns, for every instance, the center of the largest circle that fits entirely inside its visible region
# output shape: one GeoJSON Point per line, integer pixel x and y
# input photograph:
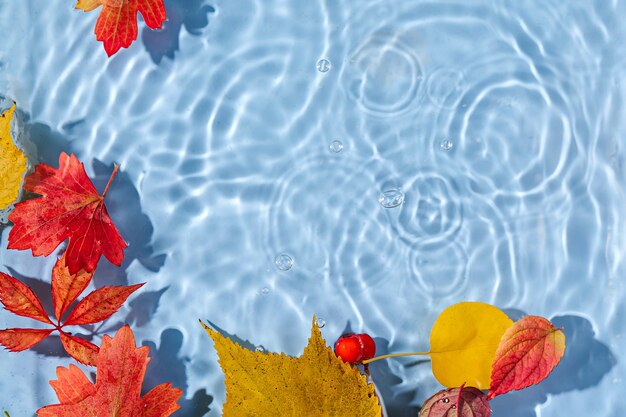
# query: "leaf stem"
{"type": "Point", "coordinates": [116, 167]}
{"type": "Point", "coordinates": [394, 355]}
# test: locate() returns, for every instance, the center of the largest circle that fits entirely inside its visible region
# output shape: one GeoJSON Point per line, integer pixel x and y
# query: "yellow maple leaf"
{"type": "Point", "coordinates": [318, 383]}
{"type": "Point", "coordinates": [13, 162]}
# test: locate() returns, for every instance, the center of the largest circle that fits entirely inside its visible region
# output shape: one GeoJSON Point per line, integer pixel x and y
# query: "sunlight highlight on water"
{"type": "Point", "coordinates": [369, 162]}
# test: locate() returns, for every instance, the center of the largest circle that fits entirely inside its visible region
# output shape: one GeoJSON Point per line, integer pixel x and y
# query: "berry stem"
{"type": "Point", "coordinates": [116, 167]}
{"type": "Point", "coordinates": [394, 355]}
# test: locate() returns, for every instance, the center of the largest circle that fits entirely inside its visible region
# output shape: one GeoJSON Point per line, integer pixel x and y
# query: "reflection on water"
{"type": "Point", "coordinates": [404, 155]}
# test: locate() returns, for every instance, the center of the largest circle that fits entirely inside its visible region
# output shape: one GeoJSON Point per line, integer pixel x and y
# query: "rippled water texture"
{"type": "Point", "coordinates": [371, 162]}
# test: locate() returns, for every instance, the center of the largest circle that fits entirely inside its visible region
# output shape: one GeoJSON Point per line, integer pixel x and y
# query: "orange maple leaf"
{"type": "Point", "coordinates": [70, 207]}
{"type": "Point", "coordinates": [116, 26]}
{"type": "Point", "coordinates": [121, 367]}
{"type": "Point", "coordinates": [99, 305]}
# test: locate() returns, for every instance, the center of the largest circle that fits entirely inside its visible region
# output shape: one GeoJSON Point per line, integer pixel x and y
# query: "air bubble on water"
{"type": "Point", "coordinates": [265, 291]}
{"type": "Point", "coordinates": [283, 262]}
{"type": "Point", "coordinates": [446, 145]}
{"type": "Point", "coordinates": [323, 65]}
{"type": "Point", "coordinates": [391, 198]}
{"type": "Point", "coordinates": [321, 323]}
{"type": "Point", "coordinates": [336, 146]}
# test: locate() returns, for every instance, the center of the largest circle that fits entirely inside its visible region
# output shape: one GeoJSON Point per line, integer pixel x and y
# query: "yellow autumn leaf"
{"type": "Point", "coordinates": [317, 383]}
{"type": "Point", "coordinates": [463, 343]}
{"type": "Point", "coordinates": [13, 162]}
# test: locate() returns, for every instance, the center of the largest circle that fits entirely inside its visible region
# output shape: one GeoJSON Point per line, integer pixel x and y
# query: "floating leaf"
{"type": "Point", "coordinates": [116, 26]}
{"type": "Point", "coordinates": [269, 384]}
{"type": "Point", "coordinates": [13, 162]}
{"type": "Point", "coordinates": [99, 305]}
{"type": "Point", "coordinates": [70, 207]}
{"type": "Point", "coordinates": [463, 343]}
{"type": "Point", "coordinates": [121, 368]}
{"type": "Point", "coordinates": [457, 402]}
{"type": "Point", "coordinates": [528, 352]}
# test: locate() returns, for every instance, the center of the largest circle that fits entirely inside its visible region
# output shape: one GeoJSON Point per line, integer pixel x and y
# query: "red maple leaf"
{"type": "Point", "coordinates": [116, 26]}
{"type": "Point", "coordinates": [99, 305]}
{"type": "Point", "coordinates": [121, 367]}
{"type": "Point", "coordinates": [70, 207]}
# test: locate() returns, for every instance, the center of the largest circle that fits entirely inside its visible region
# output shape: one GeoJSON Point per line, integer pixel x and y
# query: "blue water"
{"type": "Point", "coordinates": [371, 162]}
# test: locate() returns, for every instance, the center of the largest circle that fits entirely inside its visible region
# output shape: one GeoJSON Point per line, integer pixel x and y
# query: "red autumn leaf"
{"type": "Point", "coordinates": [17, 340]}
{"type": "Point", "coordinates": [457, 402]}
{"type": "Point", "coordinates": [97, 306]}
{"type": "Point", "coordinates": [100, 304]}
{"type": "Point", "coordinates": [65, 287]}
{"type": "Point", "coordinates": [82, 350]}
{"type": "Point", "coordinates": [121, 368]}
{"type": "Point", "coordinates": [19, 299]}
{"type": "Point", "coordinates": [116, 26]}
{"type": "Point", "coordinates": [70, 207]}
{"type": "Point", "coordinates": [528, 352]}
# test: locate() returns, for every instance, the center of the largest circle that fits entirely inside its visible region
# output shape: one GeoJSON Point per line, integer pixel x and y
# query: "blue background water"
{"type": "Point", "coordinates": [496, 128]}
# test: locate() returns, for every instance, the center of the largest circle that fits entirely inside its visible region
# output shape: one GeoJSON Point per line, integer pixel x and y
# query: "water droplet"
{"type": "Point", "coordinates": [260, 348]}
{"type": "Point", "coordinates": [265, 291]}
{"type": "Point", "coordinates": [336, 146]}
{"type": "Point", "coordinates": [323, 65]}
{"type": "Point", "coordinates": [453, 406]}
{"type": "Point", "coordinates": [321, 323]}
{"type": "Point", "coordinates": [446, 145]}
{"type": "Point", "coordinates": [446, 400]}
{"type": "Point", "coordinates": [391, 198]}
{"type": "Point", "coordinates": [283, 262]}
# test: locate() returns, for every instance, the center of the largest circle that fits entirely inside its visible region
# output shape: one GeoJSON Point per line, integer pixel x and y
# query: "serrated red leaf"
{"type": "Point", "coordinates": [21, 300]}
{"type": "Point", "coordinates": [16, 340]}
{"type": "Point", "coordinates": [116, 26]}
{"type": "Point", "coordinates": [528, 352]}
{"type": "Point", "coordinates": [71, 385]}
{"type": "Point", "coordinates": [69, 207]}
{"type": "Point", "coordinates": [67, 287]}
{"type": "Point", "coordinates": [457, 402]}
{"type": "Point", "coordinates": [82, 350]}
{"type": "Point", "coordinates": [121, 368]}
{"type": "Point", "coordinates": [100, 304]}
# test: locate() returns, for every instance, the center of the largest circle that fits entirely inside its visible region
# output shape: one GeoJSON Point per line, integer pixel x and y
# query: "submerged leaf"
{"type": "Point", "coordinates": [69, 207]}
{"type": "Point", "coordinates": [457, 402]}
{"type": "Point", "coordinates": [13, 162]}
{"type": "Point", "coordinates": [463, 343]}
{"type": "Point", "coordinates": [528, 352]}
{"type": "Point", "coordinates": [121, 367]}
{"type": "Point", "coordinates": [316, 383]}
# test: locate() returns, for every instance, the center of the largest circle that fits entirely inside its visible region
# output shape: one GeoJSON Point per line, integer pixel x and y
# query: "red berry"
{"type": "Point", "coordinates": [349, 348]}
{"type": "Point", "coordinates": [368, 346]}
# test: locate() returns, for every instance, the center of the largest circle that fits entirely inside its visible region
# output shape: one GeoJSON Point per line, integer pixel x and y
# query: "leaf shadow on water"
{"type": "Point", "coordinates": [166, 365]}
{"type": "Point", "coordinates": [192, 14]}
{"type": "Point", "coordinates": [585, 363]}
{"type": "Point", "coordinates": [123, 204]}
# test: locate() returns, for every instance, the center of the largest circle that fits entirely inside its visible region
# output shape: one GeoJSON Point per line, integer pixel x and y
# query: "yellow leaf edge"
{"type": "Point", "coordinates": [316, 345]}
{"type": "Point", "coordinates": [22, 153]}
